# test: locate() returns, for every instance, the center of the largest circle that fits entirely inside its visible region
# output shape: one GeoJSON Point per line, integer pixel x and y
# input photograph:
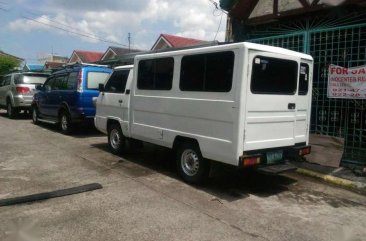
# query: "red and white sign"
{"type": "Point", "coordinates": [349, 83]}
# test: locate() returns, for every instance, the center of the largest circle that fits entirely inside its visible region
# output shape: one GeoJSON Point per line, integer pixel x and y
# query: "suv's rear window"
{"type": "Point", "coordinates": [30, 78]}
{"type": "Point", "coordinates": [274, 76]}
{"type": "Point", "coordinates": [94, 79]}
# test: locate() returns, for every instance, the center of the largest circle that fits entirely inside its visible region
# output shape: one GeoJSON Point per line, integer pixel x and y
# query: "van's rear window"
{"type": "Point", "coordinates": [95, 78]}
{"type": "Point", "coordinates": [274, 76]}
{"type": "Point", "coordinates": [30, 79]}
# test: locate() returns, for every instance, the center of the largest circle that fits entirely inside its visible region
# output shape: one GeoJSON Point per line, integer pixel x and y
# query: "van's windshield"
{"type": "Point", "coordinates": [31, 78]}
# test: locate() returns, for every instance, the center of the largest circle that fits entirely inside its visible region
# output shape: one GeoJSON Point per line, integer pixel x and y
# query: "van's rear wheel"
{"type": "Point", "coordinates": [65, 123]}
{"type": "Point", "coordinates": [116, 140]}
{"type": "Point", "coordinates": [35, 115]}
{"type": "Point", "coordinates": [192, 167]}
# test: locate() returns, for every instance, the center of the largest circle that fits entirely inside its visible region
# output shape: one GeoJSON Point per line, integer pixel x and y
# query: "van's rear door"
{"type": "Point", "coordinates": [270, 119]}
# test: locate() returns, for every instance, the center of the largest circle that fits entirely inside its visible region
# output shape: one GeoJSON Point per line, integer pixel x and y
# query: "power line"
{"type": "Point", "coordinates": [76, 33]}
{"type": "Point", "coordinates": [68, 26]}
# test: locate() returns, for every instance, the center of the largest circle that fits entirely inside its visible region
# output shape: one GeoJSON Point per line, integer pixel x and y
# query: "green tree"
{"type": "Point", "coordinates": [7, 64]}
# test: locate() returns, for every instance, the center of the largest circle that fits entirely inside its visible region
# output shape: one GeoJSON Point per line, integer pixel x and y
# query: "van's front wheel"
{"type": "Point", "coordinates": [116, 140]}
{"type": "Point", "coordinates": [192, 167]}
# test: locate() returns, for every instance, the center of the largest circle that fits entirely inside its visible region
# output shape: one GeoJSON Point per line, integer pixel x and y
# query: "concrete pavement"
{"type": "Point", "coordinates": [143, 199]}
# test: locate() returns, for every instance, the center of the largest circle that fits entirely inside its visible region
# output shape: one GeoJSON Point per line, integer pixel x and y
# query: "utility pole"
{"type": "Point", "coordinates": [129, 42]}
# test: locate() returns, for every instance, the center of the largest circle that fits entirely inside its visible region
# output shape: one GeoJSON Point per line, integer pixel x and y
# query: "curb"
{"type": "Point", "coordinates": [333, 180]}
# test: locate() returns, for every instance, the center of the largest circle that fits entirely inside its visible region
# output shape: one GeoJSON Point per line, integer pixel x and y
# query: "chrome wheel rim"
{"type": "Point", "coordinates": [115, 139]}
{"type": "Point", "coordinates": [64, 122]}
{"type": "Point", "coordinates": [34, 114]}
{"type": "Point", "coordinates": [190, 162]}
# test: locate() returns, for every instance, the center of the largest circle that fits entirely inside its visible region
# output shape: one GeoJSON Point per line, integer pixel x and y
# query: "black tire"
{"type": "Point", "coordinates": [35, 115]}
{"type": "Point", "coordinates": [11, 111]}
{"type": "Point", "coordinates": [192, 167]}
{"type": "Point", "coordinates": [66, 125]}
{"type": "Point", "coordinates": [116, 140]}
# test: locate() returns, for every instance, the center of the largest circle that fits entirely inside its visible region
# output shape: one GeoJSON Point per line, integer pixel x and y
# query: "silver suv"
{"type": "Point", "coordinates": [17, 89]}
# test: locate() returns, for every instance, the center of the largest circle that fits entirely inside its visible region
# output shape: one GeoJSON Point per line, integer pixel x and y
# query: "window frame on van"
{"type": "Point", "coordinates": [305, 91]}
{"type": "Point", "coordinates": [296, 75]}
{"type": "Point", "coordinates": [110, 77]}
{"type": "Point", "coordinates": [154, 60]}
{"type": "Point", "coordinates": [205, 71]}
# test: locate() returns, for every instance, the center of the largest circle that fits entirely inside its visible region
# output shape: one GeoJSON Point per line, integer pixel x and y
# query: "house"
{"type": "Point", "coordinates": [171, 41]}
{"type": "Point", "coordinates": [33, 67]}
{"type": "Point", "coordinates": [53, 58]}
{"type": "Point", "coordinates": [50, 65]}
{"type": "Point", "coordinates": [334, 33]}
{"type": "Point", "coordinates": [115, 52]}
{"type": "Point", "coordinates": [11, 56]}
{"type": "Point", "coordinates": [81, 56]}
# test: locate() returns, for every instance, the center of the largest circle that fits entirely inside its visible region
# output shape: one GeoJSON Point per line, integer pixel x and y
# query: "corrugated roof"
{"type": "Point", "coordinates": [53, 65]}
{"type": "Point", "coordinates": [88, 56]}
{"type": "Point", "coordinates": [121, 51]}
{"type": "Point", "coordinates": [34, 67]}
{"type": "Point", "coordinates": [177, 41]}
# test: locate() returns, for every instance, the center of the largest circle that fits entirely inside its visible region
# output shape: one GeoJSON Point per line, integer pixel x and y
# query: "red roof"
{"type": "Point", "coordinates": [88, 56]}
{"type": "Point", "coordinates": [176, 41]}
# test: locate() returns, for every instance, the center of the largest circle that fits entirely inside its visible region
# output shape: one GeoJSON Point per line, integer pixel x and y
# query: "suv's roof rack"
{"type": "Point", "coordinates": [75, 64]}
{"type": "Point", "coordinates": [78, 64]}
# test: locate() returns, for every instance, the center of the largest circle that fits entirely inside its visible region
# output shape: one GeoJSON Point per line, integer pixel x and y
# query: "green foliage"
{"type": "Point", "coordinates": [7, 64]}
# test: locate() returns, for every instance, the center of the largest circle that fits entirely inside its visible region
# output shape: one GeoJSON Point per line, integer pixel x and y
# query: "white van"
{"type": "Point", "coordinates": [242, 104]}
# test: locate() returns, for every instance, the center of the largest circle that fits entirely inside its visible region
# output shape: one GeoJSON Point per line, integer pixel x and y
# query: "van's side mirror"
{"type": "Point", "coordinates": [101, 87]}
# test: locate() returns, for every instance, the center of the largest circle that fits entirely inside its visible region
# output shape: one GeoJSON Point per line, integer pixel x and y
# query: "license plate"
{"type": "Point", "coordinates": [274, 156]}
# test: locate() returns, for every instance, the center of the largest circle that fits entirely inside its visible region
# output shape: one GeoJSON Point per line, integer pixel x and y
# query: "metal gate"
{"type": "Point", "coordinates": [344, 46]}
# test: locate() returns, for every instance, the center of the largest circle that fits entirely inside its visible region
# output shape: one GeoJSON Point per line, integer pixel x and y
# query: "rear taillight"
{"type": "Point", "coordinates": [22, 90]}
{"type": "Point", "coordinates": [250, 160]}
{"type": "Point", "coordinates": [305, 151]}
{"type": "Point", "coordinates": [80, 81]}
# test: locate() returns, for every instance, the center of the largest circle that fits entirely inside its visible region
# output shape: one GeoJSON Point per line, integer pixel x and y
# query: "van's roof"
{"type": "Point", "coordinates": [246, 45]}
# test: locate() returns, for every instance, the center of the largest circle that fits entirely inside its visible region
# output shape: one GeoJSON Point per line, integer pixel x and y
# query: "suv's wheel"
{"type": "Point", "coordinates": [11, 111]}
{"type": "Point", "coordinates": [65, 122]}
{"type": "Point", "coordinates": [35, 115]}
{"type": "Point", "coordinates": [116, 140]}
{"type": "Point", "coordinates": [192, 167]}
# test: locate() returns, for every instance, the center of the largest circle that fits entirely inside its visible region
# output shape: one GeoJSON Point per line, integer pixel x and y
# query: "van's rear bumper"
{"type": "Point", "coordinates": [258, 158]}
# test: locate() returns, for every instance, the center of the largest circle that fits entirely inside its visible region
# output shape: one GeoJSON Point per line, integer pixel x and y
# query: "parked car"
{"type": "Point", "coordinates": [17, 90]}
{"type": "Point", "coordinates": [242, 104]}
{"type": "Point", "coordinates": [66, 98]}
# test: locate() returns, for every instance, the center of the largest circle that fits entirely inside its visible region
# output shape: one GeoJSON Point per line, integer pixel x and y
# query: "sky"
{"type": "Point", "coordinates": [31, 29]}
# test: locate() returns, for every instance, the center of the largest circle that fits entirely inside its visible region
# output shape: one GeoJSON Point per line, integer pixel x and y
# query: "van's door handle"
{"type": "Point", "coordinates": [291, 106]}
{"type": "Point", "coordinates": [120, 101]}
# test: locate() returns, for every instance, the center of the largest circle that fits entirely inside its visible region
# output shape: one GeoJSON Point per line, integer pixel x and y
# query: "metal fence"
{"type": "Point", "coordinates": [344, 46]}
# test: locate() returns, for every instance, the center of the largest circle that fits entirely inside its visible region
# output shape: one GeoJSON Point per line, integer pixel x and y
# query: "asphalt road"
{"type": "Point", "coordinates": [143, 199]}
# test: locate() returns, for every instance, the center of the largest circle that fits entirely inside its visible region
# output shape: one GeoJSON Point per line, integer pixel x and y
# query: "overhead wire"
{"type": "Point", "coordinates": [74, 32]}
{"type": "Point", "coordinates": [72, 28]}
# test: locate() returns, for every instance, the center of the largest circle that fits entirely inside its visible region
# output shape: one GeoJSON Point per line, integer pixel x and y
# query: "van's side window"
{"type": "Point", "coordinates": [94, 79]}
{"type": "Point", "coordinates": [72, 81]}
{"type": "Point", "coordinates": [60, 83]}
{"type": "Point", "coordinates": [48, 84]}
{"type": "Point", "coordinates": [274, 76]}
{"type": "Point", "coordinates": [304, 79]}
{"type": "Point", "coordinates": [155, 74]}
{"type": "Point", "coordinates": [117, 81]}
{"type": "Point", "coordinates": [211, 72]}
{"type": "Point", "coordinates": [7, 80]}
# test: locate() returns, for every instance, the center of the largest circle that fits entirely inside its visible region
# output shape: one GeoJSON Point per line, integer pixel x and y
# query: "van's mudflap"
{"type": "Point", "coordinates": [277, 168]}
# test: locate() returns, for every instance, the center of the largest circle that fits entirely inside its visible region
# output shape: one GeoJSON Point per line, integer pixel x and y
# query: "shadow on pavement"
{"type": "Point", "coordinates": [225, 182]}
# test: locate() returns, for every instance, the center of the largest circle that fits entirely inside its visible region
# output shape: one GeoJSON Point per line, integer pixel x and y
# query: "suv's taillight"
{"type": "Point", "coordinates": [22, 90]}
{"type": "Point", "coordinates": [80, 81]}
